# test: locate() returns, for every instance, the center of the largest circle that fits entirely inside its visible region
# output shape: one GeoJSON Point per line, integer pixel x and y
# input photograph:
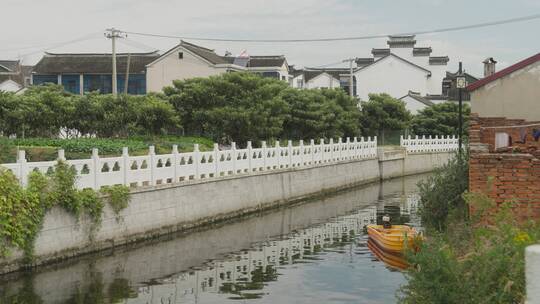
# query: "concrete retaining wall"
{"type": "Point", "coordinates": [165, 209]}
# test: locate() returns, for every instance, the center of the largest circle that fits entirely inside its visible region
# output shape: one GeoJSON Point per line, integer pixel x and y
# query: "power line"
{"type": "Point", "coordinates": [440, 30]}
{"type": "Point", "coordinates": [53, 45]}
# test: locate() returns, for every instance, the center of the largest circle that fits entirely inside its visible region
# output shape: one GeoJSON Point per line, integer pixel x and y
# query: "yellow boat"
{"type": "Point", "coordinates": [390, 259]}
{"type": "Point", "coordinates": [392, 239]}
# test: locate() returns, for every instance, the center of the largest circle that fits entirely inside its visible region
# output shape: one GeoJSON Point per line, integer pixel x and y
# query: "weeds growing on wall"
{"type": "Point", "coordinates": [117, 196]}
{"type": "Point", "coordinates": [22, 210]}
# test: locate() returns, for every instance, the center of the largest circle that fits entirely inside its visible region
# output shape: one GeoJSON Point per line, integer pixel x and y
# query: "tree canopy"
{"type": "Point", "coordinates": [440, 119]}
{"type": "Point", "coordinates": [245, 106]}
{"type": "Point", "coordinates": [383, 112]}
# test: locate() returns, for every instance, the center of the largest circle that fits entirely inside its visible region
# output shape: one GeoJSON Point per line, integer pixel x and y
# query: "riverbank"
{"type": "Point", "coordinates": [182, 265]}
{"type": "Point", "coordinates": [165, 209]}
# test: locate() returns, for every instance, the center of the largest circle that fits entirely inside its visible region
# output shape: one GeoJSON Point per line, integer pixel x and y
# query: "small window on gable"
{"type": "Point", "coordinates": [502, 140]}
{"type": "Point", "coordinates": [180, 55]}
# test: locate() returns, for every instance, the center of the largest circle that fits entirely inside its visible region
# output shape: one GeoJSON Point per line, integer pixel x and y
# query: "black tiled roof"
{"type": "Point", "coordinates": [438, 60]}
{"type": "Point", "coordinates": [416, 96]}
{"type": "Point", "coordinates": [8, 65]}
{"type": "Point", "coordinates": [207, 54]}
{"type": "Point", "coordinates": [422, 51]}
{"type": "Point", "coordinates": [266, 61]}
{"type": "Point", "coordinates": [364, 61]}
{"type": "Point", "coordinates": [380, 52]}
{"type": "Point", "coordinates": [92, 63]}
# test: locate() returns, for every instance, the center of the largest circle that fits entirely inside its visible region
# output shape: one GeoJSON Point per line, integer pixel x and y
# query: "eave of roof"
{"type": "Point", "coordinates": [419, 98]}
{"type": "Point", "coordinates": [518, 66]}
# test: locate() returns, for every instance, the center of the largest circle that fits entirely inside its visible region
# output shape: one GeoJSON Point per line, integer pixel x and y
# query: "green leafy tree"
{"type": "Point", "coordinates": [440, 119]}
{"type": "Point", "coordinates": [383, 113]}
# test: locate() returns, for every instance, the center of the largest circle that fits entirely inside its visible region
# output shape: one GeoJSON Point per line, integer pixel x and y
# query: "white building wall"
{"type": "Point", "coordinates": [393, 76]}
{"type": "Point", "coordinates": [438, 72]}
{"type": "Point", "coordinates": [9, 86]}
{"type": "Point", "coordinates": [413, 105]}
{"type": "Point", "coordinates": [162, 73]}
{"type": "Point", "coordinates": [298, 82]}
{"type": "Point", "coordinates": [324, 80]}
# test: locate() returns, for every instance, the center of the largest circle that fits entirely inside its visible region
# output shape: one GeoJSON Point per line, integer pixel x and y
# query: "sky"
{"type": "Point", "coordinates": [31, 27]}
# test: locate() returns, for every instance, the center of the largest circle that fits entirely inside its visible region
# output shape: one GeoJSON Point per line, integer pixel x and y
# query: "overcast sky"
{"type": "Point", "coordinates": [30, 26]}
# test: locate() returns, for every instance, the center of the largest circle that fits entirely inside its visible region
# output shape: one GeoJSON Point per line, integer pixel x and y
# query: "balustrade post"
{"type": "Point", "coordinates": [289, 152]}
{"type": "Point", "coordinates": [312, 151]}
{"type": "Point", "coordinates": [340, 149]}
{"type": "Point", "coordinates": [264, 152]}
{"type": "Point", "coordinates": [233, 157]}
{"type": "Point", "coordinates": [23, 168]}
{"type": "Point", "coordinates": [250, 156]}
{"type": "Point", "coordinates": [152, 156]}
{"type": "Point", "coordinates": [322, 152]}
{"type": "Point", "coordinates": [347, 148]}
{"type": "Point", "coordinates": [278, 154]}
{"type": "Point", "coordinates": [95, 168]}
{"type": "Point", "coordinates": [175, 163]}
{"type": "Point", "coordinates": [301, 151]}
{"type": "Point", "coordinates": [196, 160]}
{"type": "Point", "coordinates": [216, 160]}
{"type": "Point", "coordinates": [355, 147]}
{"type": "Point", "coordinates": [374, 145]}
{"type": "Point", "coordinates": [331, 149]}
{"type": "Point", "coordinates": [125, 166]}
{"type": "Point", "coordinates": [61, 155]}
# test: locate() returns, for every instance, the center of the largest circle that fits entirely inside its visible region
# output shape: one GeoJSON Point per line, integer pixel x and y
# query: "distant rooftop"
{"type": "Point", "coordinates": [95, 63]}
{"type": "Point", "coordinates": [401, 41]}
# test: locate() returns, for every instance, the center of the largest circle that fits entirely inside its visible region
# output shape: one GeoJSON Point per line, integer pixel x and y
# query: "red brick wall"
{"type": "Point", "coordinates": [506, 176]}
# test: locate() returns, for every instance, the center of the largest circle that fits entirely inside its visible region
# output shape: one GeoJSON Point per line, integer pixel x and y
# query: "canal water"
{"type": "Point", "coordinates": [314, 252]}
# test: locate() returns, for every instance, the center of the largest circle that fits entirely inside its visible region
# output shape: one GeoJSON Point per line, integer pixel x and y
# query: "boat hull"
{"type": "Point", "coordinates": [394, 239]}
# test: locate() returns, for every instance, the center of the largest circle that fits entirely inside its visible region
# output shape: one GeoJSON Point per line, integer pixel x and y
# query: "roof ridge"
{"type": "Point", "coordinates": [508, 70]}
{"type": "Point", "coordinates": [183, 42]}
{"type": "Point", "coordinates": [101, 54]}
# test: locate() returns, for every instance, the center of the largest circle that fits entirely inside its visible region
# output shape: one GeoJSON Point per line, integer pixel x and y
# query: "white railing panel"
{"type": "Point", "coordinates": [153, 169]}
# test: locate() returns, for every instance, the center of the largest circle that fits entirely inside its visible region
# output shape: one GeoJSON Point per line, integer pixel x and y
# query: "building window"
{"type": "Point", "coordinates": [136, 85]}
{"type": "Point", "coordinates": [502, 140]}
{"type": "Point", "coordinates": [71, 83]}
{"type": "Point", "coordinates": [344, 84]}
{"type": "Point", "coordinates": [300, 83]}
{"type": "Point", "coordinates": [180, 55]}
{"type": "Point", "coordinates": [100, 83]}
{"type": "Point", "coordinates": [270, 74]}
{"type": "Point", "coordinates": [43, 79]}
{"type": "Point", "coordinates": [283, 78]}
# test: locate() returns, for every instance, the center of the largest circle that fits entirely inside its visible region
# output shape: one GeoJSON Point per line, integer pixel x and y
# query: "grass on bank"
{"type": "Point", "coordinates": [45, 149]}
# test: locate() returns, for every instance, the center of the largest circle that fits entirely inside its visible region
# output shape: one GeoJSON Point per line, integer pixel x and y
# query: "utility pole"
{"type": "Point", "coordinates": [112, 34]}
{"type": "Point", "coordinates": [126, 80]}
{"type": "Point", "coordinates": [350, 61]}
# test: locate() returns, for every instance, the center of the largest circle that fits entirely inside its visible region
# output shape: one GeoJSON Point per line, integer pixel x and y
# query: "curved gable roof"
{"type": "Point", "coordinates": [399, 58]}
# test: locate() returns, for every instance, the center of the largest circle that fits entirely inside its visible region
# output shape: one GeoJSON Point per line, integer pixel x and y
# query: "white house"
{"type": "Point", "coordinates": [187, 60]}
{"type": "Point", "coordinates": [414, 102]}
{"type": "Point", "coordinates": [13, 75]}
{"type": "Point", "coordinates": [9, 85]}
{"type": "Point", "coordinates": [316, 79]}
{"type": "Point", "coordinates": [400, 68]}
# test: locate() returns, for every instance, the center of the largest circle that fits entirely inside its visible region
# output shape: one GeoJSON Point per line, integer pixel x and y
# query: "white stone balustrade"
{"type": "Point", "coordinates": [427, 145]}
{"type": "Point", "coordinates": [154, 169]}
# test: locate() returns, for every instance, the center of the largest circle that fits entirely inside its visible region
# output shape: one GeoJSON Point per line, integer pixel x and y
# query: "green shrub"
{"type": "Point", "coordinates": [472, 263]}
{"type": "Point", "coordinates": [21, 214]}
{"type": "Point", "coordinates": [441, 193]}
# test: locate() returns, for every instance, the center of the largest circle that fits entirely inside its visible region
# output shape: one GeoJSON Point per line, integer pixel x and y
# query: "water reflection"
{"type": "Point", "coordinates": [313, 253]}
